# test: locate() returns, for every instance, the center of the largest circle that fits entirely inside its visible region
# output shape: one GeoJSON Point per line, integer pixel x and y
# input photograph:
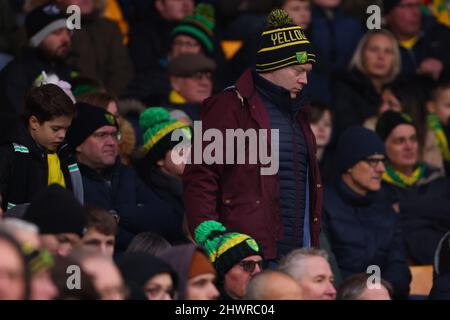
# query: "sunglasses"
{"type": "Point", "coordinates": [250, 265]}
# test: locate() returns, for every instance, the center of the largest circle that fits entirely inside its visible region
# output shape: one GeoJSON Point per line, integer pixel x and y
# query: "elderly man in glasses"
{"type": "Point", "coordinates": [110, 185]}
{"type": "Point", "coordinates": [237, 257]}
{"type": "Point", "coordinates": [361, 226]}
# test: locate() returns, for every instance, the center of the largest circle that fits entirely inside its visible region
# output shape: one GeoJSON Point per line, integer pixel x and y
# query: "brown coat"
{"type": "Point", "coordinates": [98, 53]}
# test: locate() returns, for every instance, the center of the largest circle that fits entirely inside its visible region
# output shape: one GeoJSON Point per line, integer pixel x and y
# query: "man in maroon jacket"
{"type": "Point", "coordinates": [280, 208]}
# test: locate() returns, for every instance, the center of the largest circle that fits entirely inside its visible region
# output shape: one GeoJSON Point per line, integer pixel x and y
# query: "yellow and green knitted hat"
{"type": "Point", "coordinates": [225, 249]}
{"type": "Point", "coordinates": [282, 44]}
{"type": "Point", "coordinates": [200, 26]}
{"type": "Point", "coordinates": [158, 127]}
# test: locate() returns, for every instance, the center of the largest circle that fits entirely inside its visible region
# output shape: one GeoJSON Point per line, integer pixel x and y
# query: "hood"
{"type": "Point", "coordinates": [179, 258]}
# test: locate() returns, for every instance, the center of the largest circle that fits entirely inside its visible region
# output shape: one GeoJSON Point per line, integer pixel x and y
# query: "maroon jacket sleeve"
{"type": "Point", "coordinates": [202, 182]}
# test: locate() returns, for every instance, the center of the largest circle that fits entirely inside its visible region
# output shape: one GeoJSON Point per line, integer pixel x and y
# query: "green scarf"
{"type": "Point", "coordinates": [397, 178]}
{"type": "Point", "coordinates": [434, 124]}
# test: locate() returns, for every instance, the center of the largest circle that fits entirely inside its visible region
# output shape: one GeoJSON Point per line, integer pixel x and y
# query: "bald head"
{"type": "Point", "coordinates": [273, 285]}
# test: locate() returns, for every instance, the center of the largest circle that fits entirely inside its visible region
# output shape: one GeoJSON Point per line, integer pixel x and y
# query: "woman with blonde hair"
{"type": "Point", "coordinates": [357, 93]}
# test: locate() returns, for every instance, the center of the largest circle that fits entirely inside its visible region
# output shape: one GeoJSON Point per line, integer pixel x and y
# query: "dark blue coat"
{"type": "Point", "coordinates": [293, 168]}
{"type": "Point", "coordinates": [364, 231]}
{"type": "Point", "coordinates": [335, 38]}
{"type": "Point", "coordinates": [139, 208]}
{"type": "Point", "coordinates": [424, 215]}
{"type": "Point", "coordinates": [441, 288]}
{"type": "Point", "coordinates": [432, 43]}
{"type": "Point", "coordinates": [18, 76]}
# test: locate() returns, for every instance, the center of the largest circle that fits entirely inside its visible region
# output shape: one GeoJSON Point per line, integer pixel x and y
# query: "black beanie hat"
{"type": "Point", "coordinates": [282, 44]}
{"type": "Point", "coordinates": [356, 144]}
{"type": "Point", "coordinates": [55, 210]}
{"type": "Point", "coordinates": [389, 120]}
{"type": "Point", "coordinates": [42, 21]}
{"type": "Point", "coordinates": [139, 267]}
{"type": "Point", "coordinates": [89, 119]}
{"type": "Point", "coordinates": [388, 5]}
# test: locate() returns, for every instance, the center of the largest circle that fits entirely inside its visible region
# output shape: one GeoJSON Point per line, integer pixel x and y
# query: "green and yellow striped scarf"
{"type": "Point", "coordinates": [397, 178]}
{"type": "Point", "coordinates": [434, 124]}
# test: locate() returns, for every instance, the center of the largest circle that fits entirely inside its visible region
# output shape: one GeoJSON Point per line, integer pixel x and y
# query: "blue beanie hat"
{"type": "Point", "coordinates": [356, 144]}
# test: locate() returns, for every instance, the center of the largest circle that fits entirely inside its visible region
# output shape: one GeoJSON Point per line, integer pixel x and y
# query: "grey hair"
{"type": "Point", "coordinates": [357, 58]}
{"type": "Point", "coordinates": [13, 225]}
{"type": "Point", "coordinates": [353, 287]}
{"type": "Point", "coordinates": [293, 263]}
{"type": "Point", "coordinates": [257, 286]}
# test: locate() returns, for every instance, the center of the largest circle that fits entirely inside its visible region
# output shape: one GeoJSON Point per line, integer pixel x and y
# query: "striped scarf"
{"type": "Point", "coordinates": [397, 178]}
{"type": "Point", "coordinates": [434, 124]}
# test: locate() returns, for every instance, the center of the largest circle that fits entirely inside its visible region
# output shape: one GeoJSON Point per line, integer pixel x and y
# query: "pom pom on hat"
{"type": "Point", "coordinates": [282, 44]}
{"type": "Point", "coordinates": [225, 249]}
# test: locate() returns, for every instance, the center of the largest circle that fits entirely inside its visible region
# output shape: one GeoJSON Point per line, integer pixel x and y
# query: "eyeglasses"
{"type": "Point", "coordinates": [373, 163]}
{"type": "Point", "coordinates": [250, 265]}
{"type": "Point", "coordinates": [201, 75]}
{"type": "Point", "coordinates": [188, 44]}
{"type": "Point", "coordinates": [102, 135]}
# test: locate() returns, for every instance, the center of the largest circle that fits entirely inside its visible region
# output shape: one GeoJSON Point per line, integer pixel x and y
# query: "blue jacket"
{"type": "Point", "coordinates": [293, 163]}
{"type": "Point", "coordinates": [336, 39]}
{"type": "Point", "coordinates": [139, 208]}
{"type": "Point", "coordinates": [364, 231]}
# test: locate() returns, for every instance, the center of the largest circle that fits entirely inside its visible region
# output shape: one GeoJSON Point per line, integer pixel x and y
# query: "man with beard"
{"type": "Point", "coordinates": [49, 44]}
{"type": "Point", "coordinates": [97, 48]}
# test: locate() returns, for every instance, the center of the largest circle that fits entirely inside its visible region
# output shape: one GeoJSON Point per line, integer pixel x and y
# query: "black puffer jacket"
{"type": "Point", "coordinates": [293, 155]}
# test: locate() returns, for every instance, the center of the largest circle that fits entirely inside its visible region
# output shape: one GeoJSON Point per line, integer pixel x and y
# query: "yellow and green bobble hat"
{"type": "Point", "coordinates": [225, 249]}
{"type": "Point", "coordinates": [282, 44]}
{"type": "Point", "coordinates": [200, 26]}
{"type": "Point", "coordinates": [37, 260]}
{"type": "Point", "coordinates": [158, 127]}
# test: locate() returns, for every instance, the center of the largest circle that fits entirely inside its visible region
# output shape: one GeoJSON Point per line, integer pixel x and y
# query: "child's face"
{"type": "Point", "coordinates": [49, 134]}
{"type": "Point", "coordinates": [299, 11]}
{"type": "Point", "coordinates": [441, 106]}
{"type": "Point", "coordinates": [322, 129]}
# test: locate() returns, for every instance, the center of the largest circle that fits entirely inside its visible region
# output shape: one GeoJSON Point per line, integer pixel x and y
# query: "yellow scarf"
{"type": "Point", "coordinates": [176, 98]}
{"type": "Point", "coordinates": [55, 174]}
{"type": "Point", "coordinates": [408, 44]}
{"type": "Point", "coordinates": [397, 178]}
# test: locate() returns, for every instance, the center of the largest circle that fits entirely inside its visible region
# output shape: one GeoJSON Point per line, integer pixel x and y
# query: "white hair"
{"type": "Point", "coordinates": [13, 225]}
{"type": "Point", "coordinates": [294, 263]}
